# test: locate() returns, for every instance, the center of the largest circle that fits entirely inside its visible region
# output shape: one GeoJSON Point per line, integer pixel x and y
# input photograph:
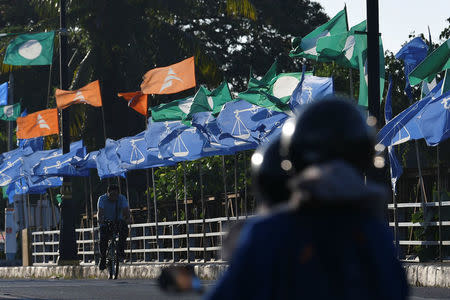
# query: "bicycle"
{"type": "Point", "coordinates": [112, 252]}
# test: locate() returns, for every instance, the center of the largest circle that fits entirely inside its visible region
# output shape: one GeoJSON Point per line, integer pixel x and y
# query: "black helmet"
{"type": "Point", "coordinates": [269, 178]}
{"type": "Point", "coordinates": [326, 130]}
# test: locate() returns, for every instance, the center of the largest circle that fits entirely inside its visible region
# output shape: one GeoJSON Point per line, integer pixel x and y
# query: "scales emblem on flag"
{"type": "Point", "coordinates": [136, 155]}
{"type": "Point", "coordinates": [402, 135]}
{"type": "Point", "coordinates": [179, 149]}
{"type": "Point", "coordinates": [239, 129]}
{"type": "Point", "coordinates": [308, 93]}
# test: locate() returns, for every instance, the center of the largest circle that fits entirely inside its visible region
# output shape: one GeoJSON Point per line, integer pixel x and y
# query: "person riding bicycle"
{"type": "Point", "coordinates": [112, 207]}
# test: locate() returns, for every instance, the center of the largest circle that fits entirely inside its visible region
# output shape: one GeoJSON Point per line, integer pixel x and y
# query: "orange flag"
{"type": "Point", "coordinates": [89, 94]}
{"type": "Point", "coordinates": [169, 80]}
{"type": "Point", "coordinates": [137, 101]}
{"type": "Point", "coordinates": [41, 123]}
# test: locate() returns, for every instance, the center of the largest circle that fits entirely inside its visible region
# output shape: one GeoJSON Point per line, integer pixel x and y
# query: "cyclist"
{"type": "Point", "coordinates": [112, 207]}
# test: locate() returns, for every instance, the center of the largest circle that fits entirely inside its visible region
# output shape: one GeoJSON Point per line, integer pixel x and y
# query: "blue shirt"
{"type": "Point", "coordinates": [109, 207]}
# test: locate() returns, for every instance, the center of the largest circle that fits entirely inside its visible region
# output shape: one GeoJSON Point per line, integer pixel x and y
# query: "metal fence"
{"type": "Point", "coordinates": [179, 241]}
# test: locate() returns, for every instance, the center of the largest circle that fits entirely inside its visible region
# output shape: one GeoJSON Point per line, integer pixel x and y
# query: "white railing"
{"type": "Point", "coordinates": [203, 240]}
{"type": "Point", "coordinates": [404, 228]}
{"type": "Point", "coordinates": [170, 243]}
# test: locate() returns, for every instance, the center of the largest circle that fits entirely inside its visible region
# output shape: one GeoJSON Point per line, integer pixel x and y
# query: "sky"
{"type": "Point", "coordinates": [398, 18]}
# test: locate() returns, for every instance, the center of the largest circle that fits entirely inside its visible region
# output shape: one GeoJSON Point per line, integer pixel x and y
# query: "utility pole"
{"type": "Point", "coordinates": [67, 238]}
{"type": "Point", "coordinates": [373, 59]}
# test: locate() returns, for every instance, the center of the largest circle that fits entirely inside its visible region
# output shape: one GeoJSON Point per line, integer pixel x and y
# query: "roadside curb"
{"type": "Point", "coordinates": [205, 272]}
{"type": "Point", "coordinates": [429, 275]}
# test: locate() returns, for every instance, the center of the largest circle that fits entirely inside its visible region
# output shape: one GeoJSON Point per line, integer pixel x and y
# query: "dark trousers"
{"type": "Point", "coordinates": [106, 233]}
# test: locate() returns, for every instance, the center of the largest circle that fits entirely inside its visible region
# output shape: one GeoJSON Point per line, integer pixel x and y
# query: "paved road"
{"type": "Point", "coordinates": [126, 289]}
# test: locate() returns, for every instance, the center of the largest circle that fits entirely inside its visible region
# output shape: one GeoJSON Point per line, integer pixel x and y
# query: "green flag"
{"type": "Point", "coordinates": [350, 50]}
{"type": "Point", "coordinates": [30, 50]}
{"type": "Point", "coordinates": [270, 74]}
{"type": "Point", "coordinates": [274, 94]}
{"type": "Point", "coordinates": [344, 48]}
{"type": "Point", "coordinates": [205, 100]}
{"type": "Point", "coordinates": [219, 97]}
{"type": "Point", "coordinates": [306, 46]}
{"type": "Point", "coordinates": [437, 61]}
{"type": "Point", "coordinates": [172, 111]}
{"type": "Point", "coordinates": [9, 112]}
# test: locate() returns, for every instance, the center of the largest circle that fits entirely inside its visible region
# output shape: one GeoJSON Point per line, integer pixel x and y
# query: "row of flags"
{"type": "Point", "coordinates": [212, 124]}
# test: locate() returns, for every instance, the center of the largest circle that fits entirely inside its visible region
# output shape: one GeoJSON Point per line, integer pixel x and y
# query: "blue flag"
{"type": "Point", "coordinates": [37, 143]}
{"type": "Point", "coordinates": [215, 144]}
{"type": "Point", "coordinates": [4, 93]}
{"type": "Point", "coordinates": [134, 154]}
{"type": "Point", "coordinates": [310, 89]}
{"type": "Point", "coordinates": [85, 163]}
{"type": "Point", "coordinates": [412, 54]}
{"type": "Point", "coordinates": [25, 186]}
{"type": "Point", "coordinates": [108, 161]}
{"type": "Point", "coordinates": [157, 131]}
{"type": "Point", "coordinates": [58, 164]}
{"type": "Point", "coordinates": [434, 120]}
{"type": "Point", "coordinates": [183, 143]}
{"type": "Point", "coordinates": [404, 127]}
{"type": "Point", "coordinates": [11, 167]}
{"type": "Point", "coordinates": [394, 166]}
{"type": "Point", "coordinates": [235, 121]}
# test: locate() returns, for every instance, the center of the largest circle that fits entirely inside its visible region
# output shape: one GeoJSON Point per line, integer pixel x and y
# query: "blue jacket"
{"type": "Point", "coordinates": [336, 250]}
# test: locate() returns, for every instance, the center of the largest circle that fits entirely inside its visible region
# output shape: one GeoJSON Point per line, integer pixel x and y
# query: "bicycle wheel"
{"type": "Point", "coordinates": [111, 258]}
{"type": "Point", "coordinates": [116, 263]}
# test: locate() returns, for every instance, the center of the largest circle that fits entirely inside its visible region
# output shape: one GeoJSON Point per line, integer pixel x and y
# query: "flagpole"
{"type": "Point", "coordinates": [53, 208]}
{"type": "Point", "coordinates": [148, 195]}
{"type": "Point", "coordinates": [49, 83]}
{"type": "Point", "coordinates": [156, 213]}
{"type": "Point", "coordinates": [202, 198]}
{"type": "Point", "coordinates": [176, 193]}
{"type": "Point", "coordinates": [225, 188]}
{"type": "Point", "coordinates": [439, 200]}
{"type": "Point", "coordinates": [394, 200]}
{"type": "Point", "coordinates": [147, 182]}
{"type": "Point", "coordinates": [245, 185]}
{"type": "Point", "coordinates": [10, 102]}
{"type": "Point", "coordinates": [92, 214]}
{"type": "Point", "coordinates": [86, 197]}
{"type": "Point", "coordinates": [235, 186]}
{"type": "Point", "coordinates": [186, 213]}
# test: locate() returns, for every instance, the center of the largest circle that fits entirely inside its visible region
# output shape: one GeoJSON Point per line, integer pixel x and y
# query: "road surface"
{"type": "Point", "coordinates": [126, 289]}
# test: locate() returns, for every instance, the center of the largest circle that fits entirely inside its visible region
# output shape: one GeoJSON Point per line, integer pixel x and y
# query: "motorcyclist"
{"type": "Point", "coordinates": [330, 241]}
